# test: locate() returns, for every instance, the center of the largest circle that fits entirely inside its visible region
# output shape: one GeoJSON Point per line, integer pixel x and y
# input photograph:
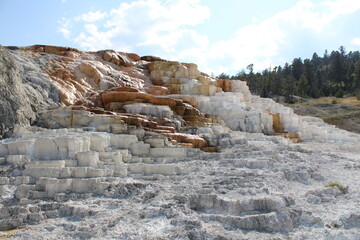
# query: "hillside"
{"type": "Point", "coordinates": [111, 145]}
{"type": "Point", "coordinates": [344, 113]}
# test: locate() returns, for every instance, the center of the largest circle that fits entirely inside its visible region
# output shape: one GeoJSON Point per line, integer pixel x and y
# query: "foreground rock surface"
{"type": "Point", "coordinates": [143, 148]}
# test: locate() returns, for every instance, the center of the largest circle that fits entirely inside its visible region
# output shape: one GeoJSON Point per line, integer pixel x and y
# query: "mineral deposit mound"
{"type": "Point", "coordinates": [111, 145]}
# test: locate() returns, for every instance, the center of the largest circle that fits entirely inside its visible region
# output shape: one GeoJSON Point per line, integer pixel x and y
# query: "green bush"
{"type": "Point", "coordinates": [357, 94]}
{"type": "Point", "coordinates": [339, 93]}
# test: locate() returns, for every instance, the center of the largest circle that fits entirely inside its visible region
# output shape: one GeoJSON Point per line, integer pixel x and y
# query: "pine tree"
{"type": "Point", "coordinates": [357, 75]}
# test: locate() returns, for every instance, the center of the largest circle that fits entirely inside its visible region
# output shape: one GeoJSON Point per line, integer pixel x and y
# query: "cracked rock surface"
{"type": "Point", "coordinates": [110, 145]}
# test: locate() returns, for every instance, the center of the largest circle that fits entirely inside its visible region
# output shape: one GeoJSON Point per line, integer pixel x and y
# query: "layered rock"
{"type": "Point", "coordinates": [63, 161]}
{"type": "Point", "coordinates": [182, 78]}
{"type": "Point", "coordinates": [121, 135]}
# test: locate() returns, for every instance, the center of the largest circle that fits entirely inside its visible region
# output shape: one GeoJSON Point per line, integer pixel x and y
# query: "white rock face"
{"type": "Point", "coordinates": [257, 187]}
{"type": "Point", "coordinates": [67, 118]}
{"type": "Point", "coordinates": [87, 159]}
{"type": "Point", "coordinates": [85, 178]}
{"type": "Point", "coordinates": [148, 109]}
{"type": "Point", "coordinates": [236, 114]}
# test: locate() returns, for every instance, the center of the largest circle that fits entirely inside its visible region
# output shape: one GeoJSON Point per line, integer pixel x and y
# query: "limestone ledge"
{"type": "Point", "coordinates": [71, 160]}
{"type": "Point", "coordinates": [129, 123]}
{"type": "Point", "coordinates": [182, 78]}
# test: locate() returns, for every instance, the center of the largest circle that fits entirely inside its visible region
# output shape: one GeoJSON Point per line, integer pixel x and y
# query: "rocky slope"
{"type": "Point", "coordinates": [114, 145]}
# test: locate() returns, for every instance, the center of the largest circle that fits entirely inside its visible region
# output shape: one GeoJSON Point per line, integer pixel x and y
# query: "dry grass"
{"type": "Point", "coordinates": [339, 186]}
{"type": "Point", "coordinates": [9, 234]}
{"type": "Point", "coordinates": [350, 101]}
{"type": "Point", "coordinates": [342, 112]}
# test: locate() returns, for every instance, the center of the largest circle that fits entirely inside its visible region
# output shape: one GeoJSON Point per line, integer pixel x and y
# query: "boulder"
{"type": "Point", "coordinates": [120, 59]}
{"type": "Point", "coordinates": [134, 56]}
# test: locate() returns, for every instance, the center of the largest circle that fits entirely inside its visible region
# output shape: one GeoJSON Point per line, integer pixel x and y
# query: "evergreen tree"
{"type": "Point", "coordinates": [223, 76]}
{"type": "Point", "coordinates": [337, 70]}
{"type": "Point", "coordinates": [297, 68]}
{"type": "Point", "coordinates": [357, 75]}
{"type": "Point", "coordinates": [336, 73]}
{"type": "Point", "coordinates": [290, 88]}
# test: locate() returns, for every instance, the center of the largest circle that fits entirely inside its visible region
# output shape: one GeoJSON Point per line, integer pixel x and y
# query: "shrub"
{"type": "Point", "coordinates": [339, 93]}
{"type": "Point", "coordinates": [334, 102]}
{"type": "Point", "coordinates": [357, 94]}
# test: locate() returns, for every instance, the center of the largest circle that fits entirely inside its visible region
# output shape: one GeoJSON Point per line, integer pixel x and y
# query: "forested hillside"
{"type": "Point", "coordinates": [334, 74]}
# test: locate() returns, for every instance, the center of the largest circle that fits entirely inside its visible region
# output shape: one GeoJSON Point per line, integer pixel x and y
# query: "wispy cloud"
{"type": "Point", "coordinates": [64, 27]}
{"type": "Point", "coordinates": [161, 25]}
{"type": "Point", "coordinates": [167, 28]}
{"type": "Point", "coordinates": [91, 16]}
{"type": "Point", "coordinates": [263, 42]}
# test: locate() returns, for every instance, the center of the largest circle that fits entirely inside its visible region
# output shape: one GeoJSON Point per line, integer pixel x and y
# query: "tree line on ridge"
{"type": "Point", "coordinates": [335, 74]}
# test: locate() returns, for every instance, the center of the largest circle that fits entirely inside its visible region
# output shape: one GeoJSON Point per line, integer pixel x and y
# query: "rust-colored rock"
{"type": "Point", "coordinates": [116, 96]}
{"type": "Point", "coordinates": [224, 84]}
{"type": "Point", "coordinates": [279, 129]}
{"type": "Point", "coordinates": [151, 58]}
{"type": "Point", "coordinates": [119, 59]}
{"type": "Point", "coordinates": [163, 101]}
{"type": "Point", "coordinates": [180, 110]}
{"type": "Point", "coordinates": [277, 124]}
{"type": "Point", "coordinates": [123, 89]}
{"type": "Point", "coordinates": [53, 49]}
{"type": "Point", "coordinates": [104, 82]}
{"type": "Point", "coordinates": [167, 128]}
{"type": "Point", "coordinates": [134, 56]}
{"type": "Point", "coordinates": [210, 149]}
{"type": "Point", "coordinates": [188, 145]}
{"type": "Point", "coordinates": [157, 90]}
{"type": "Point", "coordinates": [196, 141]}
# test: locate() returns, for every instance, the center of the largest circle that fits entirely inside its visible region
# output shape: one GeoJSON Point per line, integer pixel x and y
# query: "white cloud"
{"type": "Point", "coordinates": [65, 32]}
{"type": "Point", "coordinates": [356, 41]}
{"type": "Point", "coordinates": [341, 7]}
{"type": "Point", "coordinates": [91, 16]}
{"type": "Point", "coordinates": [64, 28]}
{"type": "Point", "coordinates": [166, 28]}
{"type": "Point", "coordinates": [164, 25]}
{"type": "Point", "coordinates": [261, 42]}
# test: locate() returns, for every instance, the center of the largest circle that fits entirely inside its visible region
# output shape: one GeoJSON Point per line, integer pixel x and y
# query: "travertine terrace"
{"type": "Point", "coordinates": [111, 145]}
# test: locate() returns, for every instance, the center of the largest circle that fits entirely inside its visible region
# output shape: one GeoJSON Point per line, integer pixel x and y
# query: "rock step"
{"type": "Point", "coordinates": [261, 214]}
{"type": "Point", "coordinates": [67, 172]}
{"type": "Point", "coordinates": [215, 204]}
{"type": "Point", "coordinates": [138, 160]}
{"type": "Point", "coordinates": [168, 152]}
{"type": "Point", "coordinates": [168, 160]}
{"type": "Point", "coordinates": [52, 163]}
{"type": "Point", "coordinates": [116, 156]}
{"type": "Point", "coordinates": [248, 163]}
{"type": "Point", "coordinates": [6, 170]}
{"type": "Point", "coordinates": [239, 153]}
{"type": "Point", "coordinates": [47, 187]}
{"type": "Point", "coordinates": [49, 146]}
{"type": "Point", "coordinates": [151, 169]}
{"type": "Point", "coordinates": [16, 180]}
{"type": "Point", "coordinates": [269, 222]}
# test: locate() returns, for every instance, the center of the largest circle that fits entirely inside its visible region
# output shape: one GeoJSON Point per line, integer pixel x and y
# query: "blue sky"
{"type": "Point", "coordinates": [219, 36]}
